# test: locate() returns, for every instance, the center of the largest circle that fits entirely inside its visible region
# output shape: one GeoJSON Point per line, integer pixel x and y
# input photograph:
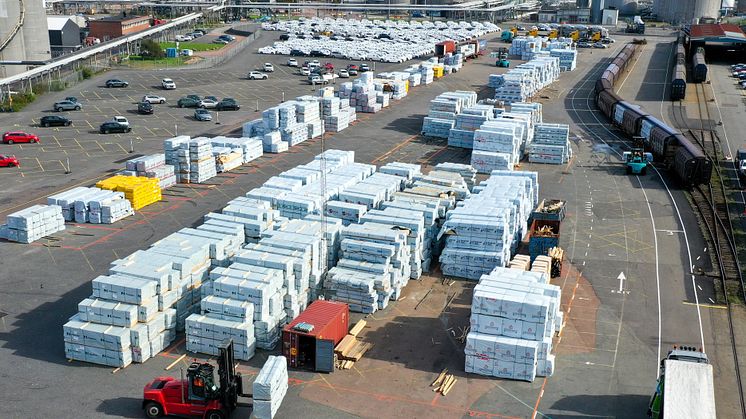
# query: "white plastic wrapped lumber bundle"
{"type": "Point", "coordinates": [414, 222]}
{"type": "Point", "coordinates": [568, 58]}
{"type": "Point", "coordinates": [33, 223]}
{"type": "Point", "coordinates": [176, 151]}
{"type": "Point", "coordinates": [483, 232]}
{"type": "Point", "coordinates": [97, 343]}
{"type": "Point", "coordinates": [270, 387]}
{"type": "Point", "coordinates": [487, 161]}
{"type": "Point", "coordinates": [551, 144]}
{"type": "Point", "coordinates": [468, 173]}
{"type": "Point", "coordinates": [251, 147]}
{"type": "Point", "coordinates": [405, 170]}
{"type": "Point", "coordinates": [347, 212]}
{"type": "Point", "coordinates": [532, 108]}
{"type": "Point", "coordinates": [201, 161]}
{"type": "Point", "coordinates": [205, 333]}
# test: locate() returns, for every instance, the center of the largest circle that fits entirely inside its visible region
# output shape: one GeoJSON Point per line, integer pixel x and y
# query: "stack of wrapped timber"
{"type": "Point", "coordinates": [251, 147]}
{"type": "Point", "coordinates": [176, 151]}
{"type": "Point", "coordinates": [140, 191]}
{"type": "Point", "coordinates": [154, 166]}
{"type": "Point", "coordinates": [33, 223]}
{"type": "Point", "coordinates": [373, 267]}
{"type": "Point", "coordinates": [468, 121]}
{"type": "Point", "coordinates": [482, 233]}
{"type": "Point", "coordinates": [467, 172]}
{"type": "Point", "coordinates": [253, 215]}
{"type": "Point", "coordinates": [270, 387]}
{"type": "Point", "coordinates": [201, 161]}
{"type": "Point", "coordinates": [93, 205]}
{"type": "Point", "coordinates": [514, 316]}
{"type": "Point", "coordinates": [551, 144]}
{"type": "Point", "coordinates": [441, 117]}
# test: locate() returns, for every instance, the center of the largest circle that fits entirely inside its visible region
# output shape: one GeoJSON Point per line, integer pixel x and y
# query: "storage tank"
{"type": "Point", "coordinates": [625, 7]}
{"type": "Point", "coordinates": [31, 42]}
{"type": "Point", "coordinates": [583, 4]}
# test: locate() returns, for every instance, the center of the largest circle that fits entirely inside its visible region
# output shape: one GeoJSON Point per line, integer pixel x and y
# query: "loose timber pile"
{"type": "Point", "coordinates": [33, 223]}
{"type": "Point", "coordinates": [514, 315]}
{"type": "Point", "coordinates": [350, 349]}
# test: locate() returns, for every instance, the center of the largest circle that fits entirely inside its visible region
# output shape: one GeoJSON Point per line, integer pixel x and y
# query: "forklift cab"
{"type": "Point", "coordinates": [201, 382]}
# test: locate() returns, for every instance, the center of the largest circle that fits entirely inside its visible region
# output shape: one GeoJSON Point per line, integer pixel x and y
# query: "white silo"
{"type": "Point", "coordinates": [28, 34]}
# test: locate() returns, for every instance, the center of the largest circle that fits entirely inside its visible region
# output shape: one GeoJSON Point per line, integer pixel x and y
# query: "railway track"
{"type": "Point", "coordinates": [711, 202]}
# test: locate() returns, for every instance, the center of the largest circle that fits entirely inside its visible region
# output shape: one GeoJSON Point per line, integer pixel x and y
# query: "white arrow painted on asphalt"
{"type": "Point", "coordinates": [621, 279]}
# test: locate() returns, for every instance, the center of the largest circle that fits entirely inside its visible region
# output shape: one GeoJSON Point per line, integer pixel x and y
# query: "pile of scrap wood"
{"type": "Point", "coordinates": [557, 254]}
{"type": "Point", "coordinates": [350, 349]}
{"type": "Point", "coordinates": [444, 383]}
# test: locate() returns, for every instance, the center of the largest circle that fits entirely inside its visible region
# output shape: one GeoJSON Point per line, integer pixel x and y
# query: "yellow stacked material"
{"type": "Point", "coordinates": [140, 191]}
{"type": "Point", "coordinates": [406, 85]}
{"type": "Point", "coordinates": [438, 71]}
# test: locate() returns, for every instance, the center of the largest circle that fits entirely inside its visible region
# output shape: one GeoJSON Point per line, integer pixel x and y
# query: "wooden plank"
{"type": "Point", "coordinates": [343, 347]}
{"type": "Point", "coordinates": [359, 351]}
{"type": "Point", "coordinates": [450, 386]}
{"type": "Point", "coordinates": [358, 327]}
{"type": "Point", "coordinates": [440, 378]}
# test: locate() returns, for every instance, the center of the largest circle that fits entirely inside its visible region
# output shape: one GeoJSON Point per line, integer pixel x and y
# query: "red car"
{"type": "Point", "coordinates": [11, 137]}
{"type": "Point", "coordinates": [8, 161]}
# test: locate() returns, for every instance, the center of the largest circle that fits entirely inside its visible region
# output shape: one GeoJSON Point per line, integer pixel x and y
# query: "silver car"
{"type": "Point", "coordinates": [202, 115]}
{"type": "Point", "coordinates": [67, 105]}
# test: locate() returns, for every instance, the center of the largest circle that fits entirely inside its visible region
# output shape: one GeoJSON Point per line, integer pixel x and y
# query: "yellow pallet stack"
{"type": "Point", "coordinates": [140, 191]}
{"type": "Point", "coordinates": [438, 71]}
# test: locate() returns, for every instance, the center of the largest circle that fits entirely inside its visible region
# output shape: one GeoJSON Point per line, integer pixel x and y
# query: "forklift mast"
{"type": "Point", "coordinates": [231, 385]}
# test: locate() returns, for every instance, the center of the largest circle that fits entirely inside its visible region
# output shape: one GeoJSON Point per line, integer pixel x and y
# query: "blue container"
{"type": "Point", "coordinates": [172, 52]}
{"type": "Point", "coordinates": [538, 246]}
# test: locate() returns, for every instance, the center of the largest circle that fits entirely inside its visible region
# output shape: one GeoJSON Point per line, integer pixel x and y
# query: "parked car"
{"type": "Point", "coordinates": [269, 68]}
{"type": "Point", "coordinates": [195, 34]}
{"type": "Point", "coordinates": [9, 161]}
{"type": "Point", "coordinates": [195, 97]}
{"type": "Point", "coordinates": [202, 115]}
{"type": "Point", "coordinates": [344, 74]}
{"type": "Point", "coordinates": [55, 121]}
{"type": "Point", "coordinates": [364, 67]}
{"type": "Point", "coordinates": [600, 45]}
{"type": "Point", "coordinates": [112, 126]}
{"type": "Point", "coordinates": [153, 99]}
{"type": "Point", "coordinates": [183, 38]}
{"type": "Point", "coordinates": [145, 108]}
{"type": "Point", "coordinates": [116, 83]}
{"type": "Point", "coordinates": [207, 103]}
{"type": "Point", "coordinates": [305, 71]}
{"type": "Point", "coordinates": [168, 84]}
{"type": "Point", "coordinates": [352, 69]}
{"type": "Point", "coordinates": [200, 30]}
{"type": "Point", "coordinates": [66, 105]}
{"type": "Point", "coordinates": [608, 40]}
{"type": "Point", "coordinates": [71, 99]}
{"type": "Point", "coordinates": [12, 137]}
{"type": "Point", "coordinates": [120, 120]}
{"type": "Point", "coordinates": [256, 75]}
{"type": "Point", "coordinates": [583, 45]}
{"type": "Point", "coordinates": [292, 62]}
{"type": "Point", "coordinates": [220, 41]}
{"type": "Point", "coordinates": [228, 104]}
{"type": "Point", "coordinates": [188, 102]}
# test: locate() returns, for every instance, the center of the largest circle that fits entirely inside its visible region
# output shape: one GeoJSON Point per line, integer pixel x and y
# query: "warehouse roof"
{"type": "Point", "coordinates": [120, 18]}
{"type": "Point", "coordinates": [56, 23]}
{"type": "Point", "coordinates": [720, 32]}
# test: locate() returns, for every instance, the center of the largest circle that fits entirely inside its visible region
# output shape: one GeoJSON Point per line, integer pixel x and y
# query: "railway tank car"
{"type": "Point", "coordinates": [685, 159]}
{"type": "Point", "coordinates": [699, 66]}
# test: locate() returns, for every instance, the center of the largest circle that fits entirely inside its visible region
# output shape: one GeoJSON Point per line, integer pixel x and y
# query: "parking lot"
{"type": "Point", "coordinates": [90, 154]}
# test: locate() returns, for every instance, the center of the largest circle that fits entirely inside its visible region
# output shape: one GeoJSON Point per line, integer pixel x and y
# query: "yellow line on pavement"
{"type": "Point", "coordinates": [721, 307]}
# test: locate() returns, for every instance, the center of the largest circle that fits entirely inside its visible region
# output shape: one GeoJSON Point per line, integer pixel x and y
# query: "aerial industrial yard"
{"type": "Point", "coordinates": [641, 271]}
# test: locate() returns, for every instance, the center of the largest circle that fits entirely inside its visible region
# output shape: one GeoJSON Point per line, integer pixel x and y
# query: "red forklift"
{"type": "Point", "coordinates": [198, 395]}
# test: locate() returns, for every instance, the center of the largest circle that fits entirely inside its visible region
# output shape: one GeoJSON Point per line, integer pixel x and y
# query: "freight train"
{"type": "Point", "coordinates": [686, 160]}
{"type": "Point", "coordinates": [678, 77]}
{"type": "Point", "coordinates": [699, 67]}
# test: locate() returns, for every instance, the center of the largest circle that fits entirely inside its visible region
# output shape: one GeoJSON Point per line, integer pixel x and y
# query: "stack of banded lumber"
{"type": "Point", "coordinates": [542, 264]}
{"type": "Point", "coordinates": [444, 383]}
{"type": "Point", "coordinates": [350, 349]}
{"type": "Point", "coordinates": [140, 191]}
{"type": "Point", "coordinates": [557, 254]}
{"type": "Point", "coordinates": [520, 262]}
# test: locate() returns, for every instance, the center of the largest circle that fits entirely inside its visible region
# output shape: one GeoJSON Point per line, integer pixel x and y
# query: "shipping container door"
{"type": "Point", "coordinates": [324, 355]}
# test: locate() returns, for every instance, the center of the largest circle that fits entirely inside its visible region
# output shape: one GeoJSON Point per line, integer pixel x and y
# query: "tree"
{"type": "Point", "coordinates": [152, 49]}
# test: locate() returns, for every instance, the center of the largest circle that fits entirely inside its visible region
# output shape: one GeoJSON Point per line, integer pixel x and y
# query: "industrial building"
{"type": "Point", "coordinates": [570, 15]}
{"type": "Point", "coordinates": [116, 26]}
{"type": "Point", "coordinates": [23, 36]}
{"type": "Point", "coordinates": [64, 35]}
{"type": "Point", "coordinates": [686, 11]}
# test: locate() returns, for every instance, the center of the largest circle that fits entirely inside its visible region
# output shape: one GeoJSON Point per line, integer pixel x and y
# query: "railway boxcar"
{"type": "Point", "coordinates": [629, 116]}
{"type": "Point", "coordinates": [678, 82]}
{"type": "Point", "coordinates": [690, 164]}
{"type": "Point", "coordinates": [602, 84]}
{"type": "Point", "coordinates": [699, 66]}
{"type": "Point", "coordinates": [659, 138]}
{"type": "Point", "coordinates": [606, 101]}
